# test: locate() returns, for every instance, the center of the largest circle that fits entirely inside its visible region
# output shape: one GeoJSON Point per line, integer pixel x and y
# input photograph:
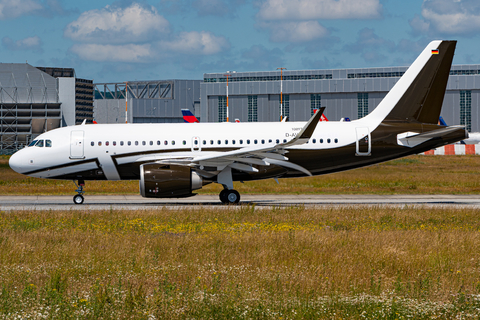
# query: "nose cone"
{"type": "Point", "coordinates": [17, 162]}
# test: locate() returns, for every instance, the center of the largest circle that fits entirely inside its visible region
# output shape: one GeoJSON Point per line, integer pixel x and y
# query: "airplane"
{"type": "Point", "coordinates": [473, 137]}
{"type": "Point", "coordinates": [173, 160]}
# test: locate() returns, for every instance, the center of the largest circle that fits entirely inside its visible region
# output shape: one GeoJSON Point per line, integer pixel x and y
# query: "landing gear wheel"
{"type": "Point", "coordinates": [78, 199]}
{"type": "Point", "coordinates": [229, 196]}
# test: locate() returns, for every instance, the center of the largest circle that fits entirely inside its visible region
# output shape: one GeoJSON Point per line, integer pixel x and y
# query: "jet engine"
{"type": "Point", "coordinates": [168, 181]}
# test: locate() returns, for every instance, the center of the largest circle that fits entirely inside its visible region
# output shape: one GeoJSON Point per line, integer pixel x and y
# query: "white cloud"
{"type": "Point", "coordinates": [133, 24]}
{"type": "Point", "coordinates": [10, 9]}
{"type": "Point", "coordinates": [135, 34]}
{"type": "Point", "coordinates": [320, 9]}
{"type": "Point", "coordinates": [296, 31]}
{"type": "Point", "coordinates": [29, 43]}
{"type": "Point", "coordinates": [195, 42]}
{"type": "Point", "coordinates": [118, 53]}
{"type": "Point", "coordinates": [449, 17]}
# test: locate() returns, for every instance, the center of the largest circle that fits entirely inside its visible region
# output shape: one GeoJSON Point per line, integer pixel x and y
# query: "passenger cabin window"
{"type": "Point", "coordinates": [114, 143]}
{"type": "Point", "coordinates": [143, 143]}
{"type": "Point", "coordinates": [99, 143]}
{"type": "Point", "coordinates": [151, 143]}
{"type": "Point", "coordinates": [92, 143]}
{"type": "Point", "coordinates": [136, 143]}
{"type": "Point", "coordinates": [184, 142]}
{"type": "Point", "coordinates": [129, 143]}
{"type": "Point", "coordinates": [107, 143]}
{"type": "Point", "coordinates": [158, 142]}
{"type": "Point", "coordinates": [173, 142]}
{"type": "Point", "coordinates": [121, 143]}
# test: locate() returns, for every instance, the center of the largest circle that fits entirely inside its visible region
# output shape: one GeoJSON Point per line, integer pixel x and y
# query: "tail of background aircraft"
{"type": "Point", "coordinates": [188, 116]}
{"type": "Point", "coordinates": [418, 95]}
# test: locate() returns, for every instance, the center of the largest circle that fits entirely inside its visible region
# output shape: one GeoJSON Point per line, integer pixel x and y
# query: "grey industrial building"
{"type": "Point", "coordinates": [146, 101]}
{"type": "Point", "coordinates": [352, 93]}
{"type": "Point", "coordinates": [255, 96]}
{"type": "Point", "coordinates": [37, 99]}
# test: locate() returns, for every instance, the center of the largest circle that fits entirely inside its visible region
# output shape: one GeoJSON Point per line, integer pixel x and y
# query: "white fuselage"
{"type": "Point", "coordinates": [129, 143]}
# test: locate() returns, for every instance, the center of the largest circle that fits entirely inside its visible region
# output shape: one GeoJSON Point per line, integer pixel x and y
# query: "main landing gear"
{"type": "Point", "coordinates": [229, 196]}
{"type": "Point", "coordinates": [78, 198]}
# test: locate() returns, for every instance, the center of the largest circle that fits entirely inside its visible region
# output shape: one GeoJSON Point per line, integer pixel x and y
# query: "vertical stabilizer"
{"type": "Point", "coordinates": [418, 95]}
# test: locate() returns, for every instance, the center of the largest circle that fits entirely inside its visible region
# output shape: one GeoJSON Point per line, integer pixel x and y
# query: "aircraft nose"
{"type": "Point", "coordinates": [17, 162]}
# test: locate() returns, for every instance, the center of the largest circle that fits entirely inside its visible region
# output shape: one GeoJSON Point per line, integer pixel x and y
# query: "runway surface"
{"type": "Point", "coordinates": [135, 202]}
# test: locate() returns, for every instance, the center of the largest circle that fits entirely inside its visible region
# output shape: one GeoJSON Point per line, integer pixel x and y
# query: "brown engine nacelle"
{"type": "Point", "coordinates": [168, 181]}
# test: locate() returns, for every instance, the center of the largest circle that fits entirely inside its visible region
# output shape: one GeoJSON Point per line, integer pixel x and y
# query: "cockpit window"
{"type": "Point", "coordinates": [48, 143]}
{"type": "Point", "coordinates": [32, 143]}
{"type": "Point", "coordinates": [39, 144]}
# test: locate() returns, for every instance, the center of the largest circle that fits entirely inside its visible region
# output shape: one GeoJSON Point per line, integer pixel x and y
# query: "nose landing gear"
{"type": "Point", "coordinates": [78, 198]}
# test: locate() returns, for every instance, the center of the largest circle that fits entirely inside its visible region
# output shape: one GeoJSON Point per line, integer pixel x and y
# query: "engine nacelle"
{"type": "Point", "coordinates": [168, 181]}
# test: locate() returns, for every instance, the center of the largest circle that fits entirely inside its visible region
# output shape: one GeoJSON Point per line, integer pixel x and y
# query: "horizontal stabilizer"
{"type": "Point", "coordinates": [413, 139]}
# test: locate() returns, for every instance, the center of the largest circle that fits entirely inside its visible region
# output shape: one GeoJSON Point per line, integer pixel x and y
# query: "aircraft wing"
{"type": "Point", "coordinates": [243, 159]}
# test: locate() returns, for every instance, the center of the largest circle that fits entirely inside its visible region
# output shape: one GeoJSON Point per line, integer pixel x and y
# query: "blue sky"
{"type": "Point", "coordinates": [114, 41]}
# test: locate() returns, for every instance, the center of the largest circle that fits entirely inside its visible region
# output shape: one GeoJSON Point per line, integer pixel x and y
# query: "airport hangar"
{"type": "Point", "coordinates": [255, 96]}
{"type": "Point", "coordinates": [37, 99]}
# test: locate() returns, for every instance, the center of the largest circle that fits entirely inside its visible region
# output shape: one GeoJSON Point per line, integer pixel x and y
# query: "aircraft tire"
{"type": "Point", "coordinates": [223, 196]}
{"type": "Point", "coordinates": [78, 199]}
{"type": "Point", "coordinates": [229, 196]}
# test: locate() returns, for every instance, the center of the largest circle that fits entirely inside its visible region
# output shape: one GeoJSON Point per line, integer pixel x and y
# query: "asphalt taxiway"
{"type": "Point", "coordinates": [135, 202]}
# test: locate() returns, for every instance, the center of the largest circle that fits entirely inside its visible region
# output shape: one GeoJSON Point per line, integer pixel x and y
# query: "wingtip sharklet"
{"type": "Point", "coordinates": [309, 128]}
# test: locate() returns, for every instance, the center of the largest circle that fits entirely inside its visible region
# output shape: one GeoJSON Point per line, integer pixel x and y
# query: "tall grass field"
{"type": "Point", "coordinates": [246, 262]}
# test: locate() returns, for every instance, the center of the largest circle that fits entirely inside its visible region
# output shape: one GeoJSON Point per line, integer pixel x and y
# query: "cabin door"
{"type": "Point", "coordinates": [76, 145]}
{"type": "Point", "coordinates": [363, 141]}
